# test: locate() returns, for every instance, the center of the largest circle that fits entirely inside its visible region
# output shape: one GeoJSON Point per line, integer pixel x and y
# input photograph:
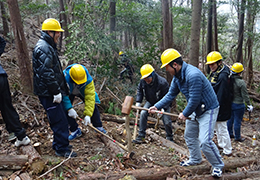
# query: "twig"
{"type": "Point", "coordinates": [102, 85]}
{"type": "Point", "coordinates": [34, 116]}
{"type": "Point", "coordinates": [114, 96]}
{"type": "Point", "coordinates": [55, 166]}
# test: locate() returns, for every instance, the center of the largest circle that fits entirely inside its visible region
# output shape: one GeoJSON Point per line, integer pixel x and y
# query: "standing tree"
{"type": "Point", "coordinates": [215, 25]}
{"type": "Point", "coordinates": [4, 19]}
{"type": "Point", "coordinates": [195, 33]}
{"type": "Point", "coordinates": [21, 46]}
{"type": "Point", "coordinates": [64, 24]}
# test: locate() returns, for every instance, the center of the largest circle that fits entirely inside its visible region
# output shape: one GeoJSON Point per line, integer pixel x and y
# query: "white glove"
{"type": "Point", "coordinates": [138, 104]}
{"type": "Point", "coordinates": [72, 113]}
{"type": "Point", "coordinates": [57, 98]}
{"type": "Point", "coordinates": [86, 120]}
{"type": "Point", "coordinates": [250, 108]}
{"type": "Point", "coordinates": [159, 115]}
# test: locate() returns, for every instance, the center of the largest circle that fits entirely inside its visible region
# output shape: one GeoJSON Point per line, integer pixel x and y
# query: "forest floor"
{"type": "Point", "coordinates": [93, 155]}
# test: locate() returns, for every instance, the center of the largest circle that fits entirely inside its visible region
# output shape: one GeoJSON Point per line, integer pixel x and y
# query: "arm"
{"type": "Point", "coordinates": [244, 93]}
{"type": "Point", "coordinates": [139, 93]}
{"type": "Point", "coordinates": [89, 97]}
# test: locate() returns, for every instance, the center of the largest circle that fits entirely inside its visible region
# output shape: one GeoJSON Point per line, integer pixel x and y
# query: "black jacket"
{"type": "Point", "coordinates": [48, 78]}
{"type": "Point", "coordinates": [222, 89]}
{"type": "Point", "coordinates": [152, 92]}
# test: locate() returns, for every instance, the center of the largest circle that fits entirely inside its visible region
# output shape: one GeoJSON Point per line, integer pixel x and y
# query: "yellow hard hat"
{"type": "Point", "coordinates": [121, 53]}
{"type": "Point", "coordinates": [78, 74]}
{"type": "Point", "coordinates": [146, 70]}
{"type": "Point", "coordinates": [51, 25]}
{"type": "Point", "coordinates": [237, 68]}
{"type": "Point", "coordinates": [169, 55]}
{"type": "Point", "coordinates": [213, 57]}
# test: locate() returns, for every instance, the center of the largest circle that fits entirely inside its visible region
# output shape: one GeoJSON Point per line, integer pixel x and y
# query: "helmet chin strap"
{"type": "Point", "coordinates": [173, 68]}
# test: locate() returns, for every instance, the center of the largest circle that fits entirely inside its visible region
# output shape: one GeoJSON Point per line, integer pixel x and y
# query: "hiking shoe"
{"type": "Point", "coordinates": [216, 172]}
{"type": "Point", "coordinates": [170, 139]}
{"type": "Point", "coordinates": [138, 140]}
{"type": "Point", "coordinates": [66, 153]}
{"type": "Point", "coordinates": [101, 129]}
{"type": "Point", "coordinates": [25, 141]}
{"type": "Point", "coordinates": [75, 134]}
{"type": "Point", "coordinates": [240, 140]}
{"type": "Point", "coordinates": [11, 137]}
{"type": "Point", "coordinates": [188, 163]}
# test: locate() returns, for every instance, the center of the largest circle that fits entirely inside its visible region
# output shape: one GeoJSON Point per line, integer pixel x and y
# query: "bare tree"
{"type": "Point", "coordinates": [209, 30]}
{"type": "Point", "coordinates": [195, 33]}
{"type": "Point", "coordinates": [21, 46]}
{"type": "Point", "coordinates": [4, 19]}
{"type": "Point", "coordinates": [215, 22]}
{"type": "Point", "coordinates": [112, 23]}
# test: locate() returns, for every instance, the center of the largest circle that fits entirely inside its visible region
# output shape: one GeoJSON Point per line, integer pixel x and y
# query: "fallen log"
{"type": "Point", "coordinates": [113, 148]}
{"type": "Point", "coordinates": [164, 172]}
{"type": "Point", "coordinates": [20, 175]}
{"type": "Point", "coordinates": [36, 162]}
{"type": "Point", "coordinates": [167, 143]}
{"type": "Point", "coordinates": [13, 162]}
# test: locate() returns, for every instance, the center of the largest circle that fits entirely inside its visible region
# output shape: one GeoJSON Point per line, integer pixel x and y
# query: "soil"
{"type": "Point", "coordinates": [93, 155]}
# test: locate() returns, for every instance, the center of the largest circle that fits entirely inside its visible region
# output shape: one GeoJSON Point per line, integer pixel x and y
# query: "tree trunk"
{"type": "Point", "coordinates": [195, 33]}
{"type": "Point", "coordinates": [64, 24]}
{"type": "Point", "coordinates": [215, 25]}
{"type": "Point", "coordinates": [167, 25]}
{"type": "Point", "coordinates": [4, 19]}
{"type": "Point", "coordinates": [239, 56]}
{"type": "Point", "coordinates": [13, 162]}
{"type": "Point", "coordinates": [209, 31]}
{"type": "Point", "coordinates": [112, 22]}
{"type": "Point", "coordinates": [21, 46]}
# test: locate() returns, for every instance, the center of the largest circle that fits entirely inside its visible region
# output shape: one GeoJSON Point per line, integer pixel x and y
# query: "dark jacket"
{"type": "Point", "coordinates": [152, 92]}
{"type": "Point", "coordinates": [48, 78]}
{"type": "Point", "coordinates": [221, 87]}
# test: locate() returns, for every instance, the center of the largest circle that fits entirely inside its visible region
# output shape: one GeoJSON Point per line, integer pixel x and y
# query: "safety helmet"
{"type": "Point", "coordinates": [237, 68]}
{"type": "Point", "coordinates": [51, 25]}
{"type": "Point", "coordinates": [78, 74]}
{"type": "Point", "coordinates": [146, 70]}
{"type": "Point", "coordinates": [121, 53]}
{"type": "Point", "coordinates": [169, 55]}
{"type": "Point", "coordinates": [213, 57]}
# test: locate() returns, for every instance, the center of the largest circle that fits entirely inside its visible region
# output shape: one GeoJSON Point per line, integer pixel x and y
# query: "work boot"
{"type": "Point", "coordinates": [139, 140]}
{"type": "Point", "coordinates": [11, 137]}
{"type": "Point", "coordinates": [66, 153]}
{"type": "Point", "coordinates": [24, 141]}
{"type": "Point", "coordinates": [75, 134]}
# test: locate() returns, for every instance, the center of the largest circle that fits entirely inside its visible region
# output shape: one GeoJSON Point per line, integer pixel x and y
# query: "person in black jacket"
{"type": "Point", "coordinates": [50, 85]}
{"type": "Point", "coordinates": [219, 79]}
{"type": "Point", "coordinates": [126, 62]}
{"type": "Point", "coordinates": [10, 116]}
{"type": "Point", "coordinates": [153, 87]}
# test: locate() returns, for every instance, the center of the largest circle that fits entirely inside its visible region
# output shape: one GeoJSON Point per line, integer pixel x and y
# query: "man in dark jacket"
{"type": "Point", "coordinates": [125, 61]}
{"type": "Point", "coordinates": [50, 85]}
{"type": "Point", "coordinates": [219, 79]}
{"type": "Point", "coordinates": [153, 87]}
{"type": "Point", "coordinates": [10, 116]}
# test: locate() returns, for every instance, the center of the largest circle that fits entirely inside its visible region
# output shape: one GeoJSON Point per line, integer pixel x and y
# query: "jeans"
{"type": "Point", "coordinates": [143, 122]}
{"type": "Point", "coordinates": [235, 120]}
{"type": "Point", "coordinates": [198, 135]}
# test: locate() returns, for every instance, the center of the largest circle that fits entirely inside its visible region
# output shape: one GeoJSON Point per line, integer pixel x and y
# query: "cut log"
{"type": "Point", "coordinates": [36, 162]}
{"type": "Point", "coordinates": [167, 143]}
{"type": "Point", "coordinates": [13, 162]}
{"type": "Point", "coordinates": [163, 173]}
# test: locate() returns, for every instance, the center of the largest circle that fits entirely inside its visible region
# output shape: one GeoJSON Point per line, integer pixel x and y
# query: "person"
{"type": "Point", "coordinates": [202, 109]}
{"type": "Point", "coordinates": [153, 87]}
{"type": "Point", "coordinates": [238, 106]}
{"type": "Point", "coordinates": [9, 114]}
{"type": "Point", "coordinates": [219, 79]}
{"type": "Point", "coordinates": [81, 85]}
{"type": "Point", "coordinates": [50, 85]}
{"type": "Point", "coordinates": [128, 66]}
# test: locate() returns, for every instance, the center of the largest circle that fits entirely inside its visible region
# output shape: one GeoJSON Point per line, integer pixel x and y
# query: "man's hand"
{"type": "Point", "coordinates": [159, 114]}
{"type": "Point", "coordinates": [57, 98]}
{"type": "Point", "coordinates": [152, 109]}
{"type": "Point", "coordinates": [250, 108]}
{"type": "Point", "coordinates": [72, 113]}
{"type": "Point", "coordinates": [86, 120]}
{"type": "Point", "coordinates": [182, 117]}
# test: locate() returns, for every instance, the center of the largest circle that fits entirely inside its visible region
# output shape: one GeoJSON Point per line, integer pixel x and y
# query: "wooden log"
{"type": "Point", "coordinates": [20, 175]}
{"type": "Point", "coordinates": [167, 143]}
{"type": "Point", "coordinates": [164, 172]}
{"type": "Point", "coordinates": [13, 162]}
{"type": "Point", "coordinates": [36, 162]}
{"type": "Point", "coordinates": [113, 148]}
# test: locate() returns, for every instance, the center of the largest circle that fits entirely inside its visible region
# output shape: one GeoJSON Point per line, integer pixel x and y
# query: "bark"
{"type": "Point", "coordinates": [13, 162]}
{"type": "Point", "coordinates": [21, 46]}
{"type": "Point", "coordinates": [4, 19]}
{"type": "Point", "coordinates": [63, 22]}
{"type": "Point", "coordinates": [164, 172]}
{"type": "Point", "coordinates": [209, 31]}
{"type": "Point", "coordinates": [112, 23]}
{"type": "Point", "coordinates": [36, 162]}
{"type": "Point", "coordinates": [20, 175]}
{"type": "Point", "coordinates": [215, 25]}
{"type": "Point", "coordinates": [195, 33]}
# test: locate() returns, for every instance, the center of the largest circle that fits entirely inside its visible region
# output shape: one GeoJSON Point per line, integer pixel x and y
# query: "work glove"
{"type": "Point", "coordinates": [72, 113]}
{"type": "Point", "coordinates": [86, 120]}
{"type": "Point", "coordinates": [250, 108]}
{"type": "Point", "coordinates": [138, 104]}
{"type": "Point", "coordinates": [57, 98]}
{"type": "Point", "coordinates": [159, 115]}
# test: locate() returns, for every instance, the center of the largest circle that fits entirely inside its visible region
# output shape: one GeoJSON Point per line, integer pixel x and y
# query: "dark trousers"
{"type": "Point", "coordinates": [10, 116]}
{"type": "Point", "coordinates": [58, 123]}
{"type": "Point", "coordinates": [95, 120]}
